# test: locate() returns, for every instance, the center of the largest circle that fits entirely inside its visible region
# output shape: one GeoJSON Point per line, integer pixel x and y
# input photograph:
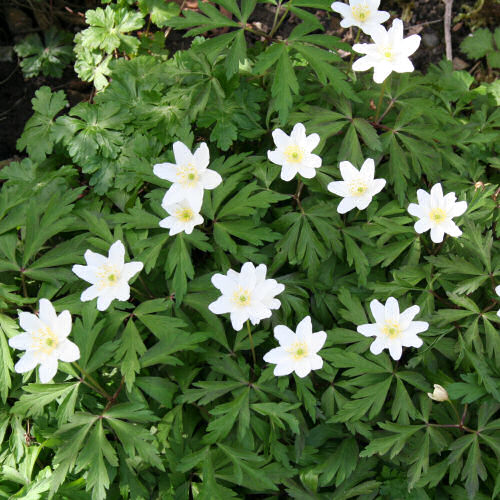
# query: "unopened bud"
{"type": "Point", "coordinates": [439, 393]}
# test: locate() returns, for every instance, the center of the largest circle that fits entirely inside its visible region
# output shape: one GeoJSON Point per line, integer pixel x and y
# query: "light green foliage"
{"type": "Point", "coordinates": [166, 401]}
{"type": "Point", "coordinates": [483, 43]}
{"type": "Point", "coordinates": [49, 57]}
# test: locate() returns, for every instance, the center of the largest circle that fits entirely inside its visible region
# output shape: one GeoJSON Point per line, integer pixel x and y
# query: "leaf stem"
{"type": "Point", "coordinates": [297, 194]}
{"type": "Point", "coordinates": [380, 99]}
{"type": "Point", "coordinates": [95, 385]}
{"type": "Point", "coordinates": [276, 26]}
{"type": "Point", "coordinates": [251, 342]}
{"type": "Point", "coordinates": [358, 34]}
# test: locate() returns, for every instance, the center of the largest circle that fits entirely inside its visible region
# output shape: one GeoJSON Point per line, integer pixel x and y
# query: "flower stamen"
{"type": "Point", "coordinates": [294, 154]}
{"type": "Point", "coordinates": [361, 12]}
{"type": "Point", "coordinates": [298, 350]}
{"type": "Point", "coordinates": [107, 275]}
{"type": "Point", "coordinates": [44, 340]}
{"type": "Point", "coordinates": [392, 329]}
{"type": "Point", "coordinates": [357, 187]}
{"type": "Point", "coordinates": [241, 297]}
{"type": "Point", "coordinates": [437, 215]}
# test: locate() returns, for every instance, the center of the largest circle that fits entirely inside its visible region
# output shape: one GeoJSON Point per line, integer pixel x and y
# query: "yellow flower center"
{"type": "Point", "coordinates": [357, 187]}
{"type": "Point", "coordinates": [294, 154]}
{"type": "Point", "coordinates": [187, 175]}
{"type": "Point", "coordinates": [392, 329]}
{"type": "Point", "coordinates": [107, 275]}
{"type": "Point", "coordinates": [437, 215]}
{"type": "Point", "coordinates": [184, 215]}
{"type": "Point", "coordinates": [298, 350]}
{"type": "Point", "coordinates": [44, 340]}
{"type": "Point", "coordinates": [241, 297]}
{"type": "Point", "coordinates": [361, 12]}
{"type": "Point", "coordinates": [387, 52]}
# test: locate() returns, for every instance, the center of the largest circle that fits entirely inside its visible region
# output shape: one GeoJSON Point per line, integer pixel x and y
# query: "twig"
{"type": "Point", "coordinates": [448, 4]}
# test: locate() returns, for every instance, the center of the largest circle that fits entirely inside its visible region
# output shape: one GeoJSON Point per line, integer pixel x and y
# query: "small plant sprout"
{"type": "Point", "coordinates": [45, 341]}
{"type": "Point", "coordinates": [182, 218]}
{"type": "Point", "coordinates": [389, 53]}
{"type": "Point", "coordinates": [439, 393]}
{"type": "Point", "coordinates": [361, 13]}
{"type": "Point", "coordinates": [435, 212]}
{"type": "Point", "coordinates": [393, 330]}
{"type": "Point", "coordinates": [246, 295]}
{"type": "Point", "coordinates": [297, 351]}
{"type": "Point", "coordinates": [497, 291]}
{"type": "Point", "coordinates": [293, 153]}
{"type": "Point", "coordinates": [189, 174]}
{"type": "Point", "coordinates": [109, 275]}
{"type": "Point", "coordinates": [358, 187]}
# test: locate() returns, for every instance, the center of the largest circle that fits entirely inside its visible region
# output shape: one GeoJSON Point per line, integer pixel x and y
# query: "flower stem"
{"type": "Point", "coordinates": [358, 34]}
{"type": "Point", "coordinates": [94, 382]}
{"type": "Point", "coordinates": [251, 342]}
{"type": "Point", "coordinates": [456, 412]}
{"type": "Point", "coordinates": [380, 99]}
{"type": "Point", "coordinates": [297, 194]}
{"type": "Point", "coordinates": [277, 25]}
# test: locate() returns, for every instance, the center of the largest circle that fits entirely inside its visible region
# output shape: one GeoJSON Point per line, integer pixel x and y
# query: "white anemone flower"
{"type": "Point", "coordinates": [246, 295]}
{"type": "Point", "coordinates": [393, 330]}
{"type": "Point", "coordinates": [293, 153]}
{"type": "Point", "coordinates": [182, 218]}
{"type": "Point", "coordinates": [189, 174]}
{"type": "Point", "coordinates": [435, 212]}
{"type": "Point", "coordinates": [440, 394]}
{"type": "Point", "coordinates": [361, 13]}
{"type": "Point", "coordinates": [497, 291]}
{"type": "Point", "coordinates": [389, 53]}
{"type": "Point", "coordinates": [45, 341]}
{"type": "Point", "coordinates": [358, 187]}
{"type": "Point", "coordinates": [109, 275]}
{"type": "Point", "coordinates": [297, 351]}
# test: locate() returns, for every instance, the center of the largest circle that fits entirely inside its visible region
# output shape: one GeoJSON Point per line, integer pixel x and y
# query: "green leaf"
{"type": "Point", "coordinates": [8, 328]}
{"type": "Point", "coordinates": [477, 44]}
{"type": "Point", "coordinates": [129, 351]}
{"type": "Point", "coordinates": [279, 413]}
{"type": "Point", "coordinates": [159, 11]}
{"type": "Point", "coordinates": [340, 464]}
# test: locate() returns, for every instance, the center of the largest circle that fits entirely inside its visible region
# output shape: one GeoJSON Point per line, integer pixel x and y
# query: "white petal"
{"type": "Point", "coordinates": [378, 311]}
{"type": "Point", "coordinates": [302, 367]}
{"type": "Point", "coordinates": [406, 317]}
{"type": "Point", "coordinates": [392, 310]}
{"type": "Point", "coordinates": [451, 228]}
{"type": "Point", "coordinates": [417, 327]}
{"type": "Point", "coordinates": [194, 196]}
{"type": "Point", "coordinates": [63, 326]}
{"type": "Point", "coordinates": [378, 345]}
{"type": "Point", "coordinates": [316, 362]}
{"type": "Point", "coordinates": [437, 234]}
{"type": "Point", "coordinates": [424, 199]}
{"type": "Point", "coordinates": [26, 363]}
{"type": "Point", "coordinates": [89, 293]}
{"type": "Point", "coordinates": [182, 154]}
{"type": "Point", "coordinates": [29, 322]}
{"type": "Point", "coordinates": [202, 157]}
{"type": "Point", "coordinates": [346, 204]}
{"type": "Point", "coordinates": [121, 291]}
{"type": "Point", "coordinates": [22, 341]}
{"type": "Point", "coordinates": [210, 179]}
{"type": "Point", "coordinates": [284, 368]}
{"type": "Point", "coordinates": [47, 370]}
{"type": "Point", "coordinates": [167, 171]}
{"type": "Point", "coordinates": [298, 134]}
{"type": "Point", "coordinates": [363, 63]}
{"type": "Point", "coordinates": [343, 9]}
{"type": "Point", "coordinates": [104, 301]}
{"type": "Point", "coordinates": [238, 318]}
{"type": "Point", "coordinates": [276, 356]}
{"type": "Point", "coordinates": [363, 201]}
{"type": "Point", "coordinates": [395, 350]}
{"type": "Point", "coordinates": [284, 335]}
{"type": "Point", "coordinates": [369, 329]}
{"type": "Point", "coordinates": [339, 188]}
{"type": "Point", "coordinates": [130, 269]}
{"type": "Point", "coordinates": [312, 161]}
{"type": "Point", "coordinates": [221, 306]}
{"type": "Point", "coordinates": [381, 71]}
{"type": "Point", "coordinates": [306, 172]}
{"type": "Point", "coordinates": [422, 225]}
{"type": "Point", "coordinates": [377, 186]}
{"type": "Point", "coordinates": [458, 209]}
{"type": "Point", "coordinates": [94, 259]}
{"type": "Point", "coordinates": [257, 312]}
{"type": "Point", "coordinates": [311, 142]}
{"type": "Point", "coordinates": [47, 313]}
{"type": "Point", "coordinates": [276, 157]}
{"type": "Point", "coordinates": [117, 254]}
{"type": "Point", "coordinates": [280, 139]}
{"type": "Point", "coordinates": [396, 30]}
{"type": "Point", "coordinates": [436, 195]}
{"type": "Point", "coordinates": [247, 277]}
{"type": "Point", "coordinates": [288, 171]}
{"type": "Point", "coordinates": [224, 283]}
{"type": "Point", "coordinates": [175, 194]}
{"type": "Point", "coordinates": [348, 171]}
{"type": "Point", "coordinates": [318, 340]}
{"type": "Point", "coordinates": [403, 65]}
{"type": "Point", "coordinates": [415, 210]}
{"type": "Point", "coordinates": [368, 169]}
{"type": "Point", "coordinates": [410, 44]}
{"type": "Point", "coordinates": [86, 273]}
{"type": "Point", "coordinates": [68, 351]}
{"type": "Point", "coordinates": [304, 328]}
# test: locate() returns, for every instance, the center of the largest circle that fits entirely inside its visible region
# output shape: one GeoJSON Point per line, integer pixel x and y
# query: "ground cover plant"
{"type": "Point", "coordinates": [258, 267]}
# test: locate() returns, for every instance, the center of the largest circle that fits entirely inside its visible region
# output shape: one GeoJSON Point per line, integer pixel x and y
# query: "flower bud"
{"type": "Point", "coordinates": [439, 393]}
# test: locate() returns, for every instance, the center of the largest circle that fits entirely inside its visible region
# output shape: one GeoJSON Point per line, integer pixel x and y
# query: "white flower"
{"type": "Point", "coordinates": [389, 53]}
{"type": "Point", "coordinates": [392, 329]}
{"type": "Point", "coordinates": [246, 295]}
{"type": "Point", "coordinates": [45, 341]}
{"type": "Point", "coordinates": [293, 153]}
{"type": "Point", "coordinates": [182, 217]}
{"type": "Point", "coordinates": [439, 393]}
{"type": "Point", "coordinates": [109, 275]}
{"type": "Point", "coordinates": [297, 351]}
{"type": "Point", "coordinates": [497, 291]}
{"type": "Point", "coordinates": [361, 13]}
{"type": "Point", "coordinates": [189, 174]}
{"type": "Point", "coordinates": [358, 186]}
{"type": "Point", "coordinates": [435, 212]}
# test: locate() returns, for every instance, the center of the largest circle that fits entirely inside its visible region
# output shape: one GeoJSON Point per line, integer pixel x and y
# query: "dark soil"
{"type": "Point", "coordinates": [424, 17]}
